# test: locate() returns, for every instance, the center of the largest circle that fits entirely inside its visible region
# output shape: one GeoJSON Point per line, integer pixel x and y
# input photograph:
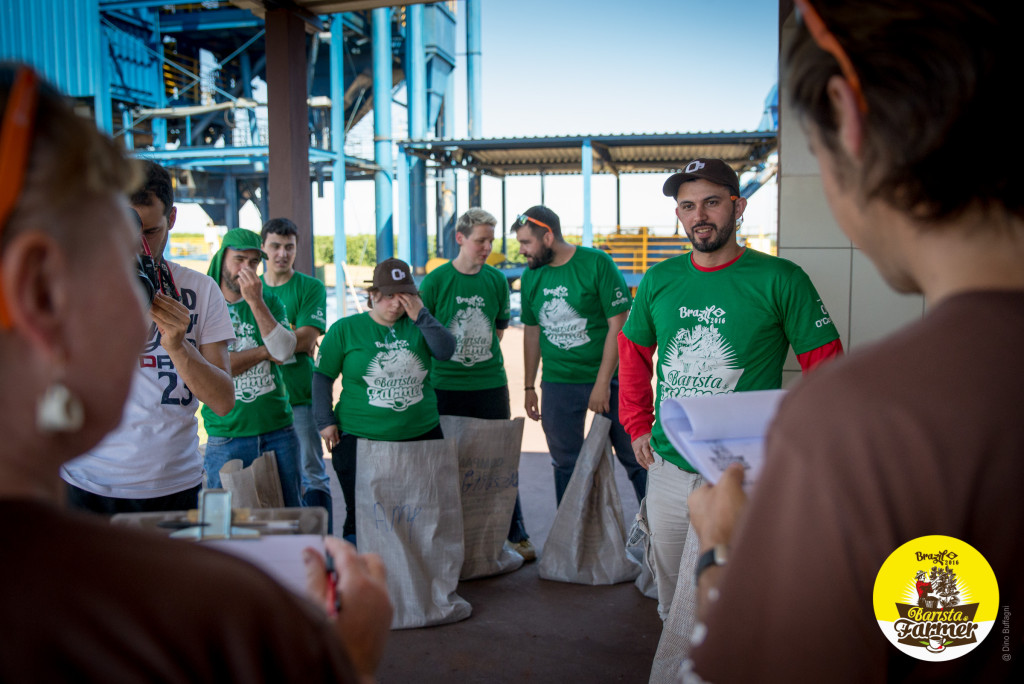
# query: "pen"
{"type": "Point", "coordinates": [333, 600]}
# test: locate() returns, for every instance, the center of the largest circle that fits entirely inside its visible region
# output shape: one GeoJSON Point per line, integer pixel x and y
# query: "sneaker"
{"type": "Point", "coordinates": [525, 549]}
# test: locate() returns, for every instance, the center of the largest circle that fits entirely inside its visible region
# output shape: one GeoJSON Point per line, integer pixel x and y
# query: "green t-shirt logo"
{"type": "Point", "coordinates": [697, 361]}
{"type": "Point", "coordinates": [258, 380]}
{"type": "Point", "coordinates": [562, 324]}
{"type": "Point", "coordinates": [394, 378]}
{"type": "Point", "coordinates": [472, 331]}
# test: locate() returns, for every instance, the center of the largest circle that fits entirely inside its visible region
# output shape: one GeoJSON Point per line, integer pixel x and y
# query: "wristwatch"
{"type": "Point", "coordinates": [716, 555]}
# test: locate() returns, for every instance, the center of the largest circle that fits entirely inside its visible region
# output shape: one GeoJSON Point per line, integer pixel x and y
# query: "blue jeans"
{"type": "Point", "coordinates": [284, 444]}
{"type": "Point", "coordinates": [563, 409]}
{"type": "Point", "coordinates": [311, 460]}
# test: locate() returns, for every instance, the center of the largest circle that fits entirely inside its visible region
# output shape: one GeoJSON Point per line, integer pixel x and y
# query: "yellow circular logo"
{"type": "Point", "coordinates": [936, 598]}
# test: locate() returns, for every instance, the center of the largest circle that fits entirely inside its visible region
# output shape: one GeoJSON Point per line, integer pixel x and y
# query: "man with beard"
{"type": "Point", "coordinates": [262, 418]}
{"type": "Point", "coordinates": [722, 319]}
{"type": "Point", "coordinates": [574, 302]}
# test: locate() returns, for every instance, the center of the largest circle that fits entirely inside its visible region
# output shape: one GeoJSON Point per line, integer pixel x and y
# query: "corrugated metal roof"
{"type": "Point", "coordinates": [627, 153]}
{"type": "Point", "coordinates": [60, 38]}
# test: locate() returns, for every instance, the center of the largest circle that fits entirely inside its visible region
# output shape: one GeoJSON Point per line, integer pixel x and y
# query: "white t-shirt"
{"type": "Point", "coordinates": [155, 449]}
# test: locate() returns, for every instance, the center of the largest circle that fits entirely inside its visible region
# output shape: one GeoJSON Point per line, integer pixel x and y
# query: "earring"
{"type": "Point", "coordinates": [58, 410]}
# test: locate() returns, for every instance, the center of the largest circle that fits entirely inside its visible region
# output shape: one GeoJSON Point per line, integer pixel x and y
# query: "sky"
{"type": "Point", "coordinates": [566, 67]}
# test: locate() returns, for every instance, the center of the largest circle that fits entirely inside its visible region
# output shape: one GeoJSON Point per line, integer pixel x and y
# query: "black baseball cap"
{"type": "Point", "coordinates": [714, 170]}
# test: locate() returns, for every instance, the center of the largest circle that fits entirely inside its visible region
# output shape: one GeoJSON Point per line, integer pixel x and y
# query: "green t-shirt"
{"type": "Point", "coordinates": [385, 389]}
{"type": "Point", "coordinates": [305, 299]}
{"type": "Point", "coordinates": [572, 304]}
{"type": "Point", "coordinates": [724, 331]}
{"type": "Point", "coordinates": [261, 400]}
{"type": "Point", "coordinates": [469, 306]}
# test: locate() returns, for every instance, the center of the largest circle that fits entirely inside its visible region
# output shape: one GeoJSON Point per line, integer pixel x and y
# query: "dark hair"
{"type": "Point", "coordinates": [544, 215]}
{"type": "Point", "coordinates": [935, 74]}
{"type": "Point", "coordinates": [158, 185]}
{"type": "Point", "coordinates": [279, 226]}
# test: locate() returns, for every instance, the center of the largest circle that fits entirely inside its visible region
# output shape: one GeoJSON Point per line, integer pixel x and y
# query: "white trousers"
{"type": "Point", "coordinates": [668, 517]}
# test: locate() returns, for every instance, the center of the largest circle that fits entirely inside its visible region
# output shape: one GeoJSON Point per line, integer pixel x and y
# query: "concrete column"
{"type": "Point", "coordinates": [289, 192]}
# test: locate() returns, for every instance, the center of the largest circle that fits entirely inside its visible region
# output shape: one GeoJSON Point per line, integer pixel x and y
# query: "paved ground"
{"type": "Point", "coordinates": [524, 628]}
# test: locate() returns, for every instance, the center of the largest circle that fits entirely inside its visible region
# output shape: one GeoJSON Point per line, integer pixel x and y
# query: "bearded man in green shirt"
{"type": "Point", "coordinates": [574, 303]}
{"type": "Point", "coordinates": [262, 418]}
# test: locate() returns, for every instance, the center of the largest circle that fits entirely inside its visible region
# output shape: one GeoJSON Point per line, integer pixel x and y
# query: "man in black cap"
{"type": "Point", "coordinates": [722, 319]}
{"type": "Point", "coordinates": [574, 302]}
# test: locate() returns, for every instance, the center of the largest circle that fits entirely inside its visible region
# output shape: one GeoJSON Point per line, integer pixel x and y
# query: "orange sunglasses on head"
{"type": "Point", "coordinates": [827, 42]}
{"type": "Point", "coordinates": [522, 219]}
{"type": "Point", "coordinates": [15, 141]}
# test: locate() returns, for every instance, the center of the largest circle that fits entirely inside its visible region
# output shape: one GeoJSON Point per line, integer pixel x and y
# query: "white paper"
{"type": "Point", "coordinates": [278, 555]}
{"type": "Point", "coordinates": [712, 432]}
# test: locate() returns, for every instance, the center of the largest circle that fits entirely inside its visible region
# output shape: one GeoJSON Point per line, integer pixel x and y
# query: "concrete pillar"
{"type": "Point", "coordinates": [289, 192]}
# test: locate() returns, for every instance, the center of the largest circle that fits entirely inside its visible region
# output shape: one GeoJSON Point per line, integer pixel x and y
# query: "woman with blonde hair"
{"type": "Point", "coordinates": [87, 601]}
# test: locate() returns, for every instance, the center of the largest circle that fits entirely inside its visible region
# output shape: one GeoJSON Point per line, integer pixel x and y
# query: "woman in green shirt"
{"type": "Point", "coordinates": [383, 357]}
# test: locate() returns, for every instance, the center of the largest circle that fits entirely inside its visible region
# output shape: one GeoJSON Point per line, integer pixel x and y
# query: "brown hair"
{"type": "Point", "coordinates": [69, 161]}
{"type": "Point", "coordinates": [935, 75]}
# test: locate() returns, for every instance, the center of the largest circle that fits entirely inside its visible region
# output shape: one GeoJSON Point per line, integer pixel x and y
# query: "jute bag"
{"type": "Point", "coordinates": [488, 483]}
{"type": "Point", "coordinates": [674, 644]}
{"type": "Point", "coordinates": [587, 542]}
{"type": "Point", "coordinates": [255, 486]}
{"type": "Point", "coordinates": [408, 511]}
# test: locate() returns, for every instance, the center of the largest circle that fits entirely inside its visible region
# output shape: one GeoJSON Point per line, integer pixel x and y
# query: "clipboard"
{"type": "Point", "coordinates": [272, 539]}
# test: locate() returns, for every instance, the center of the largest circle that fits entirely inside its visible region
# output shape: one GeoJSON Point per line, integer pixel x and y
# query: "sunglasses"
{"type": "Point", "coordinates": [523, 219]}
{"type": "Point", "coordinates": [15, 141]}
{"type": "Point", "coordinates": [827, 42]}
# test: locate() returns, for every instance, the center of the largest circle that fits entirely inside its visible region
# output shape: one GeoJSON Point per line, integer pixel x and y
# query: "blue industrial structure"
{"type": "Point", "coordinates": [174, 79]}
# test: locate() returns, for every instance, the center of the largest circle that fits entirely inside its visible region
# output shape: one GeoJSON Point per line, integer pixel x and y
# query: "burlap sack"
{"type": "Point", "coordinates": [255, 486]}
{"type": "Point", "coordinates": [587, 542]}
{"type": "Point", "coordinates": [488, 483]}
{"type": "Point", "coordinates": [408, 511]}
{"type": "Point", "coordinates": [674, 644]}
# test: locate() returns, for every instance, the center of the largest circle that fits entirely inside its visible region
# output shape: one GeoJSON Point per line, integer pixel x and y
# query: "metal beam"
{"type": "Point", "coordinates": [382, 75]}
{"type": "Point", "coordinates": [338, 168]}
{"type": "Point", "coordinates": [588, 169]}
{"type": "Point", "coordinates": [209, 20]}
{"type": "Point", "coordinates": [474, 87]}
{"type": "Point", "coordinates": [416, 87]}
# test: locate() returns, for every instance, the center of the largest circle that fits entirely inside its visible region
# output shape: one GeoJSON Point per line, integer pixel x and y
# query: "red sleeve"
{"type": "Point", "coordinates": [636, 397]}
{"type": "Point", "coordinates": [810, 360]}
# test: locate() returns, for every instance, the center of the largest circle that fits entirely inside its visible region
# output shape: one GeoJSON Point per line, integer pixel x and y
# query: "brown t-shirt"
{"type": "Point", "coordinates": [84, 601]}
{"type": "Point", "coordinates": [920, 434]}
